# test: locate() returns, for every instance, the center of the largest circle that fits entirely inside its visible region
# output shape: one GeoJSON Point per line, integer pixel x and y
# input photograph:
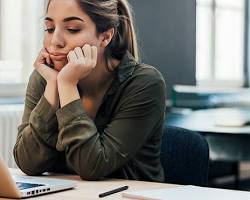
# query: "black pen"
{"type": "Point", "coordinates": [113, 191]}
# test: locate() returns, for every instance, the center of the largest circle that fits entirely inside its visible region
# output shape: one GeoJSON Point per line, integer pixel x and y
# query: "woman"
{"type": "Point", "coordinates": [91, 108]}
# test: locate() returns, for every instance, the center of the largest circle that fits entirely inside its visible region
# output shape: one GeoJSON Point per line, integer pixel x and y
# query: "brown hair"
{"type": "Point", "coordinates": [115, 14]}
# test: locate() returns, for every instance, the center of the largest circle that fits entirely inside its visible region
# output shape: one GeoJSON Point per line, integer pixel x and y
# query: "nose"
{"type": "Point", "coordinates": [57, 40]}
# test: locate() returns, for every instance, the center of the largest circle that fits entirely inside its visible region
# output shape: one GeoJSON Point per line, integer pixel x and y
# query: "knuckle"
{"type": "Point", "coordinates": [85, 47]}
{"type": "Point", "coordinates": [77, 49]}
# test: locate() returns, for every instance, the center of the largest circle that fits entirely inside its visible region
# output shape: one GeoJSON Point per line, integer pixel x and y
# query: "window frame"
{"type": "Point", "coordinates": [212, 81]}
{"type": "Point", "coordinates": [18, 89]}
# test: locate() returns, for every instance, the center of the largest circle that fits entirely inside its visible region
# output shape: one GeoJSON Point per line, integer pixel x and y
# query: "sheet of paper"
{"type": "Point", "coordinates": [188, 192]}
{"type": "Point", "coordinates": [231, 117]}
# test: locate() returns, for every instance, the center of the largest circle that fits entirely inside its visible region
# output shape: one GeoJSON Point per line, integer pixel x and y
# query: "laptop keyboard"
{"type": "Point", "coordinates": [23, 186]}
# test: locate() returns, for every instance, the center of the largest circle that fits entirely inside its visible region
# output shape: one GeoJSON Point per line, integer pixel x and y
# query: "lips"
{"type": "Point", "coordinates": [58, 57]}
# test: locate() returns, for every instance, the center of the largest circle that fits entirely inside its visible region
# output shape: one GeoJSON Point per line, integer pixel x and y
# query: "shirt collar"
{"type": "Point", "coordinates": [123, 71]}
{"type": "Point", "coordinates": [126, 67]}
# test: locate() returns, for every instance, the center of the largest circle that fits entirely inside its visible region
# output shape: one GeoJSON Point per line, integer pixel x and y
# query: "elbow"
{"type": "Point", "coordinates": [30, 172]}
{"type": "Point", "coordinates": [90, 168]}
{"type": "Point", "coordinates": [92, 173]}
{"type": "Point", "coordinates": [89, 176]}
{"type": "Point", "coordinates": [26, 167]}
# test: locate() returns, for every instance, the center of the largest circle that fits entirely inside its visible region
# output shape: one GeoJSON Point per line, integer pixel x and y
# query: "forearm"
{"type": "Point", "coordinates": [90, 153]}
{"type": "Point", "coordinates": [67, 92]}
{"type": "Point", "coordinates": [83, 155]}
{"type": "Point", "coordinates": [35, 150]}
{"type": "Point", "coordinates": [51, 94]}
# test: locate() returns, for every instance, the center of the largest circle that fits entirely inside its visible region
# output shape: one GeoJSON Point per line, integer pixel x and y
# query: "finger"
{"type": "Point", "coordinates": [78, 52]}
{"type": "Point", "coordinates": [46, 56]}
{"type": "Point", "coordinates": [87, 51]}
{"type": "Point", "coordinates": [94, 53]}
{"type": "Point", "coordinates": [45, 50]}
{"type": "Point", "coordinates": [48, 60]}
{"type": "Point", "coordinates": [72, 56]}
{"type": "Point", "coordinates": [45, 71]}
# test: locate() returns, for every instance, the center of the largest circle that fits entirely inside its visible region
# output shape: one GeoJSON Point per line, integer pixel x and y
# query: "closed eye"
{"type": "Point", "coordinates": [50, 30]}
{"type": "Point", "coordinates": [74, 30]}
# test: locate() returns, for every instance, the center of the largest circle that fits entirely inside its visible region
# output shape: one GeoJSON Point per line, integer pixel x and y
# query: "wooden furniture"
{"type": "Point", "coordinates": [89, 190]}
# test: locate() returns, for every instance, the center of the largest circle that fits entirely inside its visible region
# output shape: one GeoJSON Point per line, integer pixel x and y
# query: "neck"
{"type": "Point", "coordinates": [98, 81]}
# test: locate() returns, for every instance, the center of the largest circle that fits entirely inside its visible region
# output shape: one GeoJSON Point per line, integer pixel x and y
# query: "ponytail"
{"type": "Point", "coordinates": [126, 37]}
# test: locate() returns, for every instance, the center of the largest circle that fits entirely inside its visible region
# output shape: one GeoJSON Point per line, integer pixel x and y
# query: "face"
{"type": "Point", "coordinates": [67, 26]}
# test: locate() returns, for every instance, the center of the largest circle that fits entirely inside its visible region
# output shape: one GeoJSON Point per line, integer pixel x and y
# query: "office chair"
{"type": "Point", "coordinates": [184, 157]}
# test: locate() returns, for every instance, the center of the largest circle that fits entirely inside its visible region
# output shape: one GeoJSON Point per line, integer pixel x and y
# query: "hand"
{"type": "Point", "coordinates": [41, 65]}
{"type": "Point", "coordinates": [81, 63]}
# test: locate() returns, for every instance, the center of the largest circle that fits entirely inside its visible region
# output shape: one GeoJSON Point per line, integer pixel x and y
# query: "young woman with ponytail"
{"type": "Point", "coordinates": [91, 107]}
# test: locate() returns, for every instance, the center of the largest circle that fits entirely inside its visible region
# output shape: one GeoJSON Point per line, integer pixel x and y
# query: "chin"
{"type": "Point", "coordinates": [58, 66]}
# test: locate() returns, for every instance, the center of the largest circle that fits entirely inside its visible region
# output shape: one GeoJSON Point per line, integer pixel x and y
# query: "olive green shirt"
{"type": "Point", "coordinates": [123, 141]}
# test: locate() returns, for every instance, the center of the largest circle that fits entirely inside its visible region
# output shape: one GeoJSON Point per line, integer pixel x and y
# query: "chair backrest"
{"type": "Point", "coordinates": [185, 157]}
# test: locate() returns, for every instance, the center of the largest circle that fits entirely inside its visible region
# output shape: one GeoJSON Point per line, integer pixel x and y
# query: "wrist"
{"type": "Point", "coordinates": [65, 85]}
{"type": "Point", "coordinates": [51, 94]}
{"type": "Point", "coordinates": [52, 82]}
{"type": "Point", "coordinates": [68, 92]}
{"type": "Point", "coordinates": [64, 82]}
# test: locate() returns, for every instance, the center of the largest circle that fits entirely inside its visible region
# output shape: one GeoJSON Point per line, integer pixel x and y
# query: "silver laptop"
{"type": "Point", "coordinates": [18, 186]}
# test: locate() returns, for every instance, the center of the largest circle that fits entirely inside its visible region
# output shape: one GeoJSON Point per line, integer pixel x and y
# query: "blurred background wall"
{"type": "Point", "coordinates": [167, 38]}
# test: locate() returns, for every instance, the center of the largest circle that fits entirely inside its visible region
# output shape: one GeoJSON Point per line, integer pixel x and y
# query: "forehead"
{"type": "Point", "coordinates": [60, 9]}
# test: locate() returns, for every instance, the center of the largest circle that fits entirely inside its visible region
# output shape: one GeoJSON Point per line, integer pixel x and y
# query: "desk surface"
{"type": "Point", "coordinates": [89, 190]}
{"type": "Point", "coordinates": [204, 121]}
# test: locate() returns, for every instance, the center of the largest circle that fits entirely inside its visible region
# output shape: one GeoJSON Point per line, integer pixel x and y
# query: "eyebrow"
{"type": "Point", "coordinates": [65, 20]}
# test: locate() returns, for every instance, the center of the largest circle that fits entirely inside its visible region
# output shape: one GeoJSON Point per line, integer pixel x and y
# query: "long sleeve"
{"type": "Point", "coordinates": [139, 114]}
{"type": "Point", "coordinates": [35, 151]}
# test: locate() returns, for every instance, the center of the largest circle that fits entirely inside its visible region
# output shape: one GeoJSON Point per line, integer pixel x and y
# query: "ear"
{"type": "Point", "coordinates": [107, 37]}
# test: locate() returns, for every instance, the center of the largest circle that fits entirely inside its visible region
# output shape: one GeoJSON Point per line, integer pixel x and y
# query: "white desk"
{"type": "Point", "coordinates": [88, 190]}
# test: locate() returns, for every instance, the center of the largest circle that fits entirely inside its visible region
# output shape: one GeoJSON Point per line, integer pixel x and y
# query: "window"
{"type": "Point", "coordinates": [20, 39]}
{"type": "Point", "coordinates": [220, 42]}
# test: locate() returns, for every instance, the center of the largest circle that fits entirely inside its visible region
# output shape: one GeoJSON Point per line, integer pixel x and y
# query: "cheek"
{"type": "Point", "coordinates": [83, 39]}
{"type": "Point", "coordinates": [46, 41]}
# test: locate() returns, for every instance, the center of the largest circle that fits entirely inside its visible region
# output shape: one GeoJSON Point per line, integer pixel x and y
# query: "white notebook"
{"type": "Point", "coordinates": [231, 117]}
{"type": "Point", "coordinates": [188, 192]}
